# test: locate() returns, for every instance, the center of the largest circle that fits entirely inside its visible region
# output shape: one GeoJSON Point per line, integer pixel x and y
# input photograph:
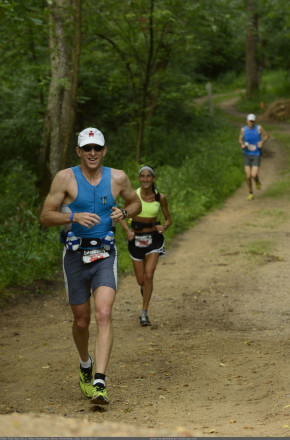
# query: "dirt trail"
{"type": "Point", "coordinates": [214, 363]}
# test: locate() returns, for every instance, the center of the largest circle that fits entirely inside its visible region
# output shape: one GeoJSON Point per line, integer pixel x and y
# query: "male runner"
{"type": "Point", "coordinates": [252, 138]}
{"type": "Point", "coordinates": [83, 199]}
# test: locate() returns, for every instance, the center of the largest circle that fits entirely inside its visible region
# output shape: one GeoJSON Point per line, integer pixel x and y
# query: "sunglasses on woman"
{"type": "Point", "coordinates": [88, 148]}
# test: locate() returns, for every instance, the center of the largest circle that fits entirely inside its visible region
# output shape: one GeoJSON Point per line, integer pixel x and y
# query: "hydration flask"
{"type": "Point", "coordinates": [72, 242]}
{"type": "Point", "coordinates": [109, 241]}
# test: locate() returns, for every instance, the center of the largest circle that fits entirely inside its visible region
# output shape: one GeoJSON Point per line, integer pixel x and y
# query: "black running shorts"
{"type": "Point", "coordinates": [139, 253]}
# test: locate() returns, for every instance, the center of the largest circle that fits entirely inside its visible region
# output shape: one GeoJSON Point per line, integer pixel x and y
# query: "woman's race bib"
{"type": "Point", "coordinates": [143, 241]}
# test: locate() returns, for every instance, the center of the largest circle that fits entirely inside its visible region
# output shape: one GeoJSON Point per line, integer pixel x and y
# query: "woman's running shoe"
{"type": "Point", "coordinates": [144, 320]}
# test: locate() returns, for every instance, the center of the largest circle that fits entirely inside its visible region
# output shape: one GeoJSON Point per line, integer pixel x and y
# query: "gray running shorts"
{"type": "Point", "coordinates": [252, 161]}
{"type": "Point", "coordinates": [82, 279]}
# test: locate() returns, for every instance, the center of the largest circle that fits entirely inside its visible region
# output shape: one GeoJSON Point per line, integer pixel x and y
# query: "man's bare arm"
{"type": "Point", "coordinates": [241, 139]}
{"type": "Point", "coordinates": [132, 201]}
{"type": "Point", "coordinates": [264, 136]}
{"type": "Point", "coordinates": [51, 216]}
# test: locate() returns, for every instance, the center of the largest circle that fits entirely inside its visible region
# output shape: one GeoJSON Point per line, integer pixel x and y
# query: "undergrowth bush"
{"type": "Point", "coordinates": [27, 252]}
{"type": "Point", "coordinates": [274, 85]}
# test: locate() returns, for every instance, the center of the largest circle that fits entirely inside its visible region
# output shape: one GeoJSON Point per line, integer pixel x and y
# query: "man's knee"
{"type": "Point", "coordinates": [103, 315]}
{"type": "Point", "coordinates": [82, 322]}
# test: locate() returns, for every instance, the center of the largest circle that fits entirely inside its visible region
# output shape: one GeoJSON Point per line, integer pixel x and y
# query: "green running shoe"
{"type": "Point", "coordinates": [258, 184]}
{"type": "Point", "coordinates": [86, 380]}
{"type": "Point", "coordinates": [99, 395]}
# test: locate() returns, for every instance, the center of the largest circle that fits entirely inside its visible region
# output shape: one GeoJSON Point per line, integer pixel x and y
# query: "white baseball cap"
{"type": "Point", "coordinates": [91, 136]}
{"type": "Point", "coordinates": [251, 117]}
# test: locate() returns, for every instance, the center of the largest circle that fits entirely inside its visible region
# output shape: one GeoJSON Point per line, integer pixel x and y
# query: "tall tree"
{"type": "Point", "coordinates": [142, 36]}
{"type": "Point", "coordinates": [252, 68]}
{"type": "Point", "coordinates": [64, 43]}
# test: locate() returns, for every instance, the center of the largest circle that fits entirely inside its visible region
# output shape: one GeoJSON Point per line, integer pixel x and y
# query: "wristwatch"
{"type": "Point", "coordinates": [125, 213]}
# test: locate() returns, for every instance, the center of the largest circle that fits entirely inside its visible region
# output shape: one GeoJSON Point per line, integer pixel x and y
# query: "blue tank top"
{"type": "Point", "coordinates": [96, 199]}
{"type": "Point", "coordinates": [252, 137]}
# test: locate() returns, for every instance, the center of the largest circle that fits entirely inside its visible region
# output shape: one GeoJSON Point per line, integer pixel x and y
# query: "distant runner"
{"type": "Point", "coordinates": [252, 138]}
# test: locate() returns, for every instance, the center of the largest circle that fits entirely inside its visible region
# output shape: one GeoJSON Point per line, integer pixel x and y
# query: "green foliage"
{"type": "Point", "coordinates": [23, 70]}
{"type": "Point", "coordinates": [114, 57]}
{"type": "Point", "coordinates": [229, 80]}
{"type": "Point", "coordinates": [275, 85]}
{"type": "Point", "coordinates": [26, 251]}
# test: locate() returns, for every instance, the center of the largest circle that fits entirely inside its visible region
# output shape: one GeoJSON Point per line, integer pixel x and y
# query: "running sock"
{"type": "Point", "coordinates": [87, 364]}
{"type": "Point", "coordinates": [100, 379]}
{"type": "Point", "coordinates": [144, 312]}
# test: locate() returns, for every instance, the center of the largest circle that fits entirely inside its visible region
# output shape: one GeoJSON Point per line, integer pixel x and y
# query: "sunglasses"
{"type": "Point", "coordinates": [88, 148]}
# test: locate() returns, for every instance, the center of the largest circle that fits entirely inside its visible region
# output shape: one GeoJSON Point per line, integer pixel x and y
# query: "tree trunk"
{"type": "Point", "coordinates": [148, 73]}
{"type": "Point", "coordinates": [252, 72]}
{"type": "Point", "coordinates": [64, 43]}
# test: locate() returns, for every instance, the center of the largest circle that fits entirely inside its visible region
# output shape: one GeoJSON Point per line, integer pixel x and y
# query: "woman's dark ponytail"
{"type": "Point", "coordinates": [156, 193]}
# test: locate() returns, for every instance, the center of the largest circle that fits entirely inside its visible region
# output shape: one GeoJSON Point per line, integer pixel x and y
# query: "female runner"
{"type": "Point", "coordinates": [146, 239]}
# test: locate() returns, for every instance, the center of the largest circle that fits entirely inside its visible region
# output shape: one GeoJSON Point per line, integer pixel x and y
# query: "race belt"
{"type": "Point", "coordinates": [91, 242]}
{"type": "Point", "coordinates": [138, 226]}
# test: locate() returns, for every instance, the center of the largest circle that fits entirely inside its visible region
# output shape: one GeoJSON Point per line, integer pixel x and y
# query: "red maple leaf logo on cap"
{"type": "Point", "coordinates": [91, 133]}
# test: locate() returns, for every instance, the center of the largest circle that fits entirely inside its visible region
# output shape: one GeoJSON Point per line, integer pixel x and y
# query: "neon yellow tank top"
{"type": "Point", "coordinates": [149, 209]}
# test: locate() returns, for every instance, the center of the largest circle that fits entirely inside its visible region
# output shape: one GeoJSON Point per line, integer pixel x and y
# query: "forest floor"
{"type": "Point", "coordinates": [215, 362]}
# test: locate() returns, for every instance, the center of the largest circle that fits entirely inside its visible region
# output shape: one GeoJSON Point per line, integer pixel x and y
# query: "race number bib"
{"type": "Point", "coordinates": [94, 255]}
{"type": "Point", "coordinates": [143, 241]}
{"type": "Point", "coordinates": [252, 147]}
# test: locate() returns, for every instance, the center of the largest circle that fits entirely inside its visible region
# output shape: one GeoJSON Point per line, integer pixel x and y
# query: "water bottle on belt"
{"type": "Point", "coordinates": [109, 241]}
{"type": "Point", "coordinates": [72, 242]}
